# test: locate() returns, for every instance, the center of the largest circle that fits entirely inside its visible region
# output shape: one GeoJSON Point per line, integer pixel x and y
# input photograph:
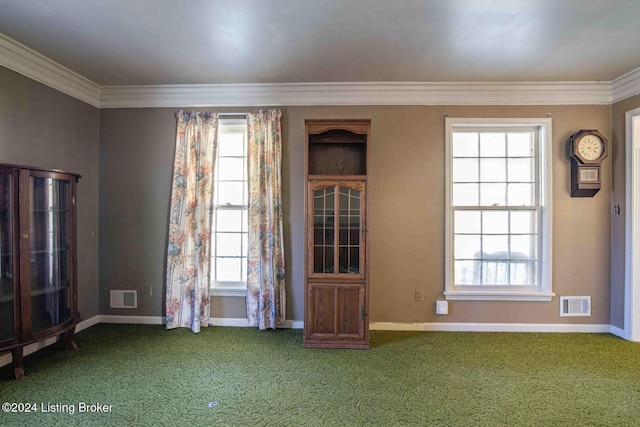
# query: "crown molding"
{"type": "Point", "coordinates": [23, 60]}
{"type": "Point", "coordinates": [362, 93]}
{"type": "Point", "coordinates": [29, 63]}
{"type": "Point", "coordinates": [625, 86]}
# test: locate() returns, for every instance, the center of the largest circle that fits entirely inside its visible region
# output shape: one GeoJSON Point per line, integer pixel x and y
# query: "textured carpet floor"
{"type": "Point", "coordinates": [244, 377]}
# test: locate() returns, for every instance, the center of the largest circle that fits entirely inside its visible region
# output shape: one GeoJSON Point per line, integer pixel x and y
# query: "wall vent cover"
{"type": "Point", "coordinates": [575, 306]}
{"type": "Point", "coordinates": [123, 299]}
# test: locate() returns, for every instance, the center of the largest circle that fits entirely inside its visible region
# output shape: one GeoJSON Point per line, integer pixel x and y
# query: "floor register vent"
{"type": "Point", "coordinates": [123, 299]}
{"type": "Point", "coordinates": [575, 306]}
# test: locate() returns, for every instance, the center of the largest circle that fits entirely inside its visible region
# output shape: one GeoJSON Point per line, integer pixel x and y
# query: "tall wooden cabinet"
{"type": "Point", "coordinates": [38, 289]}
{"type": "Point", "coordinates": [337, 250]}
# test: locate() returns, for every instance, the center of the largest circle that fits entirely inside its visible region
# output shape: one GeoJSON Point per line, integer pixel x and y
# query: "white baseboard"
{"type": "Point", "coordinates": [244, 323]}
{"type": "Point", "coordinates": [618, 332]}
{"type": "Point", "coordinates": [229, 321]}
{"type": "Point", "coordinates": [213, 321]}
{"type": "Point", "coordinates": [86, 324]}
{"type": "Point", "coordinates": [294, 324]}
{"type": "Point", "coordinates": [132, 320]}
{"type": "Point", "coordinates": [28, 349]}
{"type": "Point", "coordinates": [489, 327]}
{"type": "Point", "coordinates": [7, 358]}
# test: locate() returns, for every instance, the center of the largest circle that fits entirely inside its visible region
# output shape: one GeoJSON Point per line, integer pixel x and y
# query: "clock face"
{"type": "Point", "coordinates": [590, 147]}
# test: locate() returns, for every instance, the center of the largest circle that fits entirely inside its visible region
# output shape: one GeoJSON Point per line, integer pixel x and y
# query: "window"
{"type": "Point", "coordinates": [498, 219]}
{"type": "Point", "coordinates": [230, 222]}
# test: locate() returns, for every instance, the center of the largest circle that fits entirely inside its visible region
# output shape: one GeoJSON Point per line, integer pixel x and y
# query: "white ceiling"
{"type": "Point", "coordinates": [172, 42]}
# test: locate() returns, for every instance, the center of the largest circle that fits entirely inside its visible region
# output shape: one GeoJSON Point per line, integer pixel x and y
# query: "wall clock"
{"type": "Point", "coordinates": [588, 149]}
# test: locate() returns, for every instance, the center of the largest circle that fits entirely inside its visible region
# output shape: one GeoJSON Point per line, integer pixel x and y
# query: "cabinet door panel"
{"type": "Point", "coordinates": [336, 311]}
{"type": "Point", "coordinates": [350, 302]}
{"type": "Point", "coordinates": [322, 304]}
{"type": "Point", "coordinates": [50, 256]}
{"type": "Point", "coordinates": [7, 254]}
{"type": "Point", "coordinates": [336, 243]}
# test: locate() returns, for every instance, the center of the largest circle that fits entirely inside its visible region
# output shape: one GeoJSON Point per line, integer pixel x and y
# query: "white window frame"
{"type": "Point", "coordinates": [542, 291]}
{"type": "Point", "coordinates": [220, 288]}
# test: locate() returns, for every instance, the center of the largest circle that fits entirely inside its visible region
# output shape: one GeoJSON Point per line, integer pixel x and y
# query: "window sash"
{"type": "Point", "coordinates": [234, 260]}
{"type": "Point", "coordinates": [508, 262]}
{"type": "Point", "coordinates": [539, 206]}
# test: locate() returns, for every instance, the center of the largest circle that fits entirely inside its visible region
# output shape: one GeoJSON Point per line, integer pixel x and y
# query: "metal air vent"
{"type": "Point", "coordinates": [575, 306]}
{"type": "Point", "coordinates": [123, 299]}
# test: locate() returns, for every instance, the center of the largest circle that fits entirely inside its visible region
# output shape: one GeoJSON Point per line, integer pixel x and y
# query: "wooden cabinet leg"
{"type": "Point", "coordinates": [18, 368]}
{"type": "Point", "coordinates": [69, 339]}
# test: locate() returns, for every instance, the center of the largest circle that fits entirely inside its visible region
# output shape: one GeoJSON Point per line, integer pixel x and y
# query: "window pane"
{"type": "Point", "coordinates": [465, 170]}
{"type": "Point", "coordinates": [493, 194]}
{"type": "Point", "coordinates": [245, 220]}
{"type": "Point", "coordinates": [228, 269]}
{"type": "Point", "coordinates": [495, 273]}
{"type": "Point", "coordinates": [495, 247]}
{"type": "Point", "coordinates": [523, 273]}
{"type": "Point", "coordinates": [229, 244]}
{"type": "Point", "coordinates": [493, 170]}
{"type": "Point", "coordinates": [231, 168]}
{"type": "Point", "coordinates": [231, 144]}
{"type": "Point", "coordinates": [495, 222]}
{"type": "Point", "coordinates": [228, 220]}
{"type": "Point", "coordinates": [520, 144]}
{"type": "Point", "coordinates": [492, 144]}
{"type": "Point", "coordinates": [523, 222]}
{"type": "Point", "coordinates": [231, 193]}
{"type": "Point", "coordinates": [466, 222]}
{"type": "Point", "coordinates": [465, 194]}
{"type": "Point", "coordinates": [523, 247]}
{"type": "Point", "coordinates": [467, 272]}
{"type": "Point", "coordinates": [521, 194]}
{"type": "Point", "coordinates": [521, 170]}
{"type": "Point", "coordinates": [465, 144]}
{"type": "Point", "coordinates": [467, 246]}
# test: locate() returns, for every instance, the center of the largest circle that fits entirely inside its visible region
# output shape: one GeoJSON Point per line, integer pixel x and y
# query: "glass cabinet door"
{"type": "Point", "coordinates": [337, 245]}
{"type": "Point", "coordinates": [7, 296]}
{"type": "Point", "coordinates": [50, 261]}
{"type": "Point", "coordinates": [350, 230]}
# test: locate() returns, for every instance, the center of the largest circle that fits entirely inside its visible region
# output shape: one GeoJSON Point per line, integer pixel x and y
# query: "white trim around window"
{"type": "Point", "coordinates": [229, 246]}
{"type": "Point", "coordinates": [512, 283]}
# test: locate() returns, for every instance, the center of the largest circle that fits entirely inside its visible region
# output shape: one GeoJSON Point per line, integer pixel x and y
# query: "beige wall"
{"type": "Point", "coordinates": [42, 127]}
{"type": "Point", "coordinates": [618, 154]}
{"type": "Point", "coordinates": [407, 202]}
{"type": "Point", "coordinates": [406, 218]}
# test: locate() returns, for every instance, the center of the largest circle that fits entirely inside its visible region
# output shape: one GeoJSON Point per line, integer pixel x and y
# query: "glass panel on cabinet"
{"type": "Point", "coordinates": [50, 252]}
{"type": "Point", "coordinates": [350, 230]}
{"type": "Point", "coordinates": [7, 330]}
{"type": "Point", "coordinates": [323, 230]}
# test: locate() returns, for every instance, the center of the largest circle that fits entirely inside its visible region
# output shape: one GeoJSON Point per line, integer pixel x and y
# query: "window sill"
{"type": "Point", "coordinates": [497, 296]}
{"type": "Point", "coordinates": [228, 292]}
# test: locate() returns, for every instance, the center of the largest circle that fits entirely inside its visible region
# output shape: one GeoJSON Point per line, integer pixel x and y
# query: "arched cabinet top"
{"type": "Point", "coordinates": [40, 169]}
{"type": "Point", "coordinates": [359, 127]}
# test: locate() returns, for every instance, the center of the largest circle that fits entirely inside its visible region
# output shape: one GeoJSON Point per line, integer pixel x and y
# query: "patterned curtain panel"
{"type": "Point", "coordinates": [266, 299]}
{"type": "Point", "coordinates": [189, 247]}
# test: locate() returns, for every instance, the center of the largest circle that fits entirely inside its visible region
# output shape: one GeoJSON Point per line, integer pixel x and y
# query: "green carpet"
{"type": "Point", "coordinates": [245, 377]}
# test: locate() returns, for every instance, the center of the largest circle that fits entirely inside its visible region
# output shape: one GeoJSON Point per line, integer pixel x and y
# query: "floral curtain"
{"type": "Point", "coordinates": [266, 301]}
{"type": "Point", "coordinates": [189, 247]}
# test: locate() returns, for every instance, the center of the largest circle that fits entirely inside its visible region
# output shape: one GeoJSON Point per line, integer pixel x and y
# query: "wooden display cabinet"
{"type": "Point", "coordinates": [337, 249]}
{"type": "Point", "coordinates": [38, 289]}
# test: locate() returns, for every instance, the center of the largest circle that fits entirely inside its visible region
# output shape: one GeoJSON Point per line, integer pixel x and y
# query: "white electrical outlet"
{"type": "Point", "coordinates": [419, 295]}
